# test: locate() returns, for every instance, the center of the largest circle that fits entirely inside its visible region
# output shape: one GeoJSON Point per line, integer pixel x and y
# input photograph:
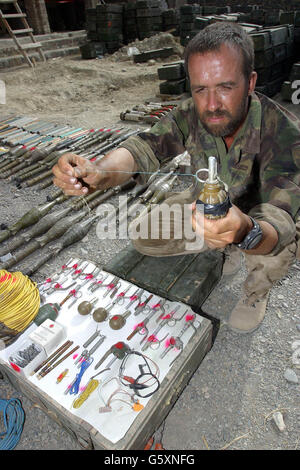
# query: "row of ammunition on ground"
{"type": "Point", "coordinates": [148, 113]}
{"type": "Point", "coordinates": [67, 229]}
{"type": "Point", "coordinates": [34, 147]}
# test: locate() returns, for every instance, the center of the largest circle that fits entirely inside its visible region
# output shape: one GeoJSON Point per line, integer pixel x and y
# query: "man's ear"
{"type": "Point", "coordinates": [252, 82]}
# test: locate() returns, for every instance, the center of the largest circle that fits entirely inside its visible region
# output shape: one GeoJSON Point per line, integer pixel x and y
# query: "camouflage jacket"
{"type": "Point", "coordinates": [261, 168]}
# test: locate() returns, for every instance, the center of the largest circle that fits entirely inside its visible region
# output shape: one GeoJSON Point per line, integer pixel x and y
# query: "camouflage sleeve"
{"type": "Point", "coordinates": [164, 141]}
{"type": "Point", "coordinates": [280, 220]}
{"type": "Point", "coordinates": [280, 162]}
{"type": "Point", "coordinates": [280, 175]}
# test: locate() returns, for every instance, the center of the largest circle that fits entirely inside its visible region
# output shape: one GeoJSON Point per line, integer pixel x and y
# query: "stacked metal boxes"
{"type": "Point", "coordinates": [149, 18]}
{"type": "Point", "coordinates": [170, 21]}
{"type": "Point", "coordinates": [174, 78]}
{"type": "Point", "coordinates": [273, 57]}
{"type": "Point", "coordinates": [130, 22]}
{"type": "Point", "coordinates": [188, 14]}
{"type": "Point", "coordinates": [110, 26]}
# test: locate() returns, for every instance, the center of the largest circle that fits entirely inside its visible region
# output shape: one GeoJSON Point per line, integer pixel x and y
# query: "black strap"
{"type": "Point", "coordinates": [216, 209]}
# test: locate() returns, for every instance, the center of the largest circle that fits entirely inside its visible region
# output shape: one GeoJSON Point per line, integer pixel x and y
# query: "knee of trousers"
{"type": "Point", "coordinates": [167, 233]}
{"type": "Point", "coordinates": [263, 271]}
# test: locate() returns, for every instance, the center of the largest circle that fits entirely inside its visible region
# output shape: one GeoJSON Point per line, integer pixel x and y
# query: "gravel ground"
{"type": "Point", "coordinates": [230, 400]}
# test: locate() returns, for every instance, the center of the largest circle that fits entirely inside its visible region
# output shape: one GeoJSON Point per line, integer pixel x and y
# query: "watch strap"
{"type": "Point", "coordinates": [252, 238]}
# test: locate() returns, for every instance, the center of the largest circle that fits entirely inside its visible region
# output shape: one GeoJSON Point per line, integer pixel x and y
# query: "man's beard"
{"type": "Point", "coordinates": [226, 129]}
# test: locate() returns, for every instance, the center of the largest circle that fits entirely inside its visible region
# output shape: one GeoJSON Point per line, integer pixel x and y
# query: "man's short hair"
{"type": "Point", "coordinates": [215, 35]}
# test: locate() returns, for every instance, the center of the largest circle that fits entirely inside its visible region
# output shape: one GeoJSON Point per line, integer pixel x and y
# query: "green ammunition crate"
{"type": "Point", "coordinates": [272, 88]}
{"type": "Point", "coordinates": [279, 53]}
{"type": "Point", "coordinates": [186, 27]}
{"type": "Point", "coordinates": [279, 35]}
{"type": "Point", "coordinates": [201, 23]}
{"type": "Point", "coordinates": [278, 70]}
{"type": "Point", "coordinates": [261, 40]}
{"type": "Point", "coordinates": [130, 30]}
{"type": "Point", "coordinates": [153, 54]}
{"type": "Point", "coordinates": [172, 87]}
{"type": "Point", "coordinates": [109, 17]}
{"type": "Point", "coordinates": [263, 59]}
{"type": "Point", "coordinates": [258, 16]}
{"type": "Point", "coordinates": [156, 12]}
{"type": "Point", "coordinates": [170, 21]}
{"type": "Point", "coordinates": [171, 72]}
{"type": "Point", "coordinates": [209, 10]}
{"type": "Point", "coordinates": [109, 9]}
{"type": "Point", "coordinates": [110, 36]}
{"type": "Point", "coordinates": [143, 13]}
{"type": "Point", "coordinates": [188, 18]}
{"type": "Point", "coordinates": [272, 17]}
{"type": "Point", "coordinates": [129, 22]}
{"type": "Point", "coordinates": [190, 9]}
{"type": "Point", "coordinates": [92, 50]}
{"type": "Point", "coordinates": [129, 14]}
{"type": "Point", "coordinates": [144, 23]}
{"type": "Point", "coordinates": [106, 23]}
{"type": "Point", "coordinates": [287, 17]}
{"type": "Point", "coordinates": [245, 18]}
{"type": "Point", "coordinates": [142, 4]}
{"type": "Point", "coordinates": [263, 75]}
{"type": "Point", "coordinates": [185, 278]}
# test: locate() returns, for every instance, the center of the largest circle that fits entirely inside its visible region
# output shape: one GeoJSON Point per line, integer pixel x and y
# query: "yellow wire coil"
{"type": "Point", "coordinates": [91, 386]}
{"type": "Point", "coordinates": [19, 300]}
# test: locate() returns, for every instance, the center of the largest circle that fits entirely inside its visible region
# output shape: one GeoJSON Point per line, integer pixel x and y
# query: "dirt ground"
{"type": "Point", "coordinates": [87, 92]}
{"type": "Point", "coordinates": [230, 400]}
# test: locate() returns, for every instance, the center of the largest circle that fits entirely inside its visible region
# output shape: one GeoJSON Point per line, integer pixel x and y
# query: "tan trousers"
{"type": "Point", "coordinates": [155, 234]}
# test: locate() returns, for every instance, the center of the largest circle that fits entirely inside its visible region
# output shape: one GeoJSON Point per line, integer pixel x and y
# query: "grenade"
{"type": "Point", "coordinates": [85, 307]}
{"type": "Point", "coordinates": [213, 196]}
{"type": "Point", "coordinates": [117, 322]}
{"type": "Point", "coordinates": [47, 311]}
{"type": "Point", "coordinates": [100, 314]}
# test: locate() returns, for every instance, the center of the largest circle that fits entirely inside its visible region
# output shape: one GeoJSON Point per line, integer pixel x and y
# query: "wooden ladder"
{"type": "Point", "coordinates": [23, 48]}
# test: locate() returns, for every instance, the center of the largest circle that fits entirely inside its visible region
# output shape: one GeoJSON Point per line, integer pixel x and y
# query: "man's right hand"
{"type": "Point", "coordinates": [77, 175]}
{"type": "Point", "coordinates": [70, 168]}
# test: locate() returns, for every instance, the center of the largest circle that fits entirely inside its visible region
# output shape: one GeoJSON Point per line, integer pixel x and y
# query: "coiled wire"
{"type": "Point", "coordinates": [19, 300]}
{"type": "Point", "coordinates": [13, 419]}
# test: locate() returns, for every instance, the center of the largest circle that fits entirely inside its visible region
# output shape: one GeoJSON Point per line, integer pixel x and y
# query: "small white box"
{"type": "Point", "coordinates": [48, 335]}
{"type": "Point", "coordinates": [27, 357]}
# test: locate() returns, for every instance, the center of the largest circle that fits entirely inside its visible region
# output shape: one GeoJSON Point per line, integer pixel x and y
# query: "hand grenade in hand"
{"type": "Point", "coordinates": [213, 195]}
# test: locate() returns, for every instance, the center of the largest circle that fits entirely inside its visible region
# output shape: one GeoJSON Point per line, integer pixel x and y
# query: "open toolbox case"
{"type": "Point", "coordinates": [184, 282]}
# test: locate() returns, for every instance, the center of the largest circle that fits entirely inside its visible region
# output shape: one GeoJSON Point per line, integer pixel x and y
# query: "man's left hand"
{"type": "Point", "coordinates": [219, 233]}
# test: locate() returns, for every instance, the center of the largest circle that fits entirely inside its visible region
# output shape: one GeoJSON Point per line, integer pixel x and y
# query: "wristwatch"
{"type": "Point", "coordinates": [252, 238]}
